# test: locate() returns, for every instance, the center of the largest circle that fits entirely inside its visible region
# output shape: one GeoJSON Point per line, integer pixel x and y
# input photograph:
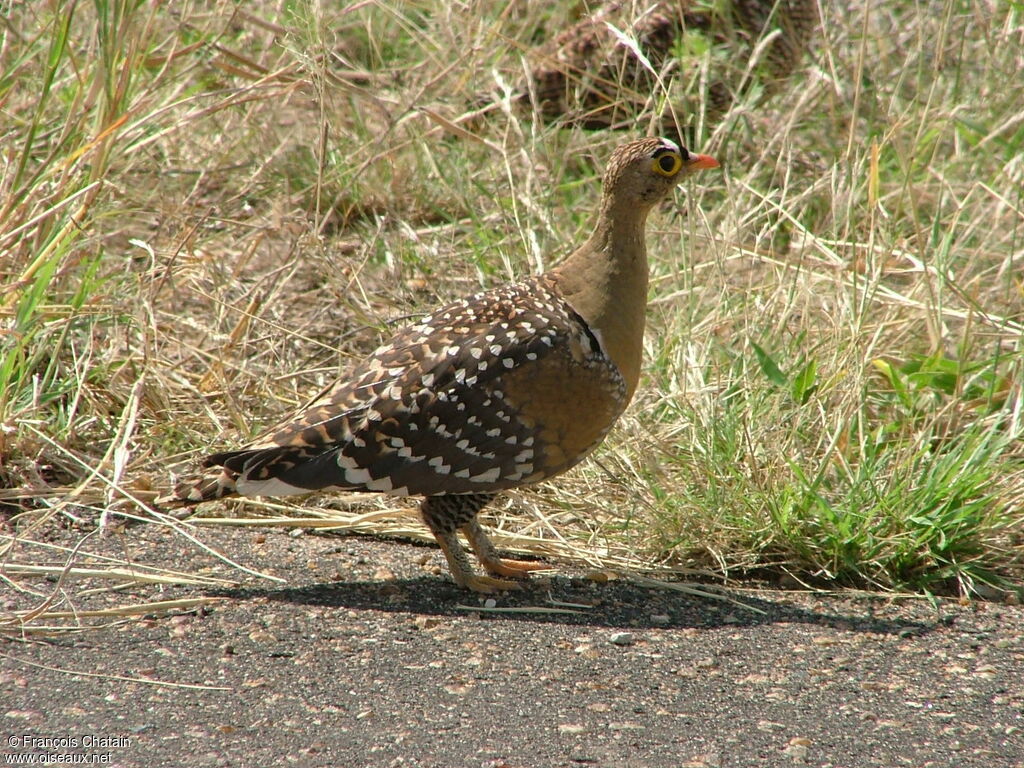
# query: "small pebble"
{"type": "Point", "coordinates": [490, 602]}
{"type": "Point", "coordinates": [622, 638]}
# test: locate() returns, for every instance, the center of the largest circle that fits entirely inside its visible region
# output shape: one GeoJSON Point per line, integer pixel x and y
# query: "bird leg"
{"type": "Point", "coordinates": [444, 515]}
{"type": "Point", "coordinates": [488, 555]}
{"type": "Point", "coordinates": [462, 571]}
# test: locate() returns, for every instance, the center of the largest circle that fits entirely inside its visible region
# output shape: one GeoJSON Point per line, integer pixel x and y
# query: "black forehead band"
{"type": "Point", "coordinates": [668, 150]}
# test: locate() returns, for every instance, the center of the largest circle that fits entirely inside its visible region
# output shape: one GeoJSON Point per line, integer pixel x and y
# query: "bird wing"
{"type": "Point", "coordinates": [427, 412]}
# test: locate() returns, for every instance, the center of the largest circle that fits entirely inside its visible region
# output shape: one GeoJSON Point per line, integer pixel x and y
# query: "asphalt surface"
{"type": "Point", "coordinates": [364, 658]}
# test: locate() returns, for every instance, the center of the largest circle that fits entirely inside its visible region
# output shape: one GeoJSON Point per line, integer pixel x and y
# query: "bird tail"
{"type": "Point", "coordinates": [214, 483]}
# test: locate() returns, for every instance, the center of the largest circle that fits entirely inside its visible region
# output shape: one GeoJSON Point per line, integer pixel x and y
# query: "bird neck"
{"type": "Point", "coordinates": [605, 281]}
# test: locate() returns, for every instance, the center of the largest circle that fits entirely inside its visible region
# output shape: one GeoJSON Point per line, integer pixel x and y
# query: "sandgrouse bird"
{"type": "Point", "coordinates": [586, 74]}
{"type": "Point", "coordinates": [505, 388]}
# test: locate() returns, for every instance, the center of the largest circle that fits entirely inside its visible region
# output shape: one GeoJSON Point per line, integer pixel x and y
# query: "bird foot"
{"type": "Point", "coordinates": [488, 555]}
{"type": "Point", "coordinates": [515, 569]}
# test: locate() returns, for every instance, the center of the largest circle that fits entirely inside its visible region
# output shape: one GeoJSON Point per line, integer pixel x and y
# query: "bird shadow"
{"type": "Point", "coordinates": [573, 601]}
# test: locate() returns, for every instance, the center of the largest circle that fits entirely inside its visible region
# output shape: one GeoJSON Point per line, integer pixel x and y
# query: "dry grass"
{"type": "Point", "coordinates": [209, 213]}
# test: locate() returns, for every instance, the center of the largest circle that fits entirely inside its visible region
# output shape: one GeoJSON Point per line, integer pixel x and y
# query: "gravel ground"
{"type": "Point", "coordinates": [364, 658]}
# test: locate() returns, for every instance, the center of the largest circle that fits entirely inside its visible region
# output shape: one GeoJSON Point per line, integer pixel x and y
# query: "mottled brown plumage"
{"type": "Point", "coordinates": [505, 388]}
{"type": "Point", "coordinates": [586, 75]}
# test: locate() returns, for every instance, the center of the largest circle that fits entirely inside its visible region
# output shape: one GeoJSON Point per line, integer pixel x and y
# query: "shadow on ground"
{"type": "Point", "coordinates": [576, 602]}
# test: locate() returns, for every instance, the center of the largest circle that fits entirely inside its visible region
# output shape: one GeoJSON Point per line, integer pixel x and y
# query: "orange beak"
{"type": "Point", "coordinates": [701, 162]}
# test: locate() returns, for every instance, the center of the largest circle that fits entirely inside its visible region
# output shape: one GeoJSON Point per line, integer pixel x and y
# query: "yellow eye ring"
{"type": "Point", "coordinates": [667, 163]}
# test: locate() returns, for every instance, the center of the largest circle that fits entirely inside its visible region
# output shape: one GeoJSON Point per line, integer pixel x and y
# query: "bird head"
{"type": "Point", "coordinates": [644, 172]}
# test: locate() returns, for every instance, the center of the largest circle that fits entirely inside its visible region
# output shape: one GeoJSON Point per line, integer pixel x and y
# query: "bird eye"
{"type": "Point", "coordinates": [668, 163]}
